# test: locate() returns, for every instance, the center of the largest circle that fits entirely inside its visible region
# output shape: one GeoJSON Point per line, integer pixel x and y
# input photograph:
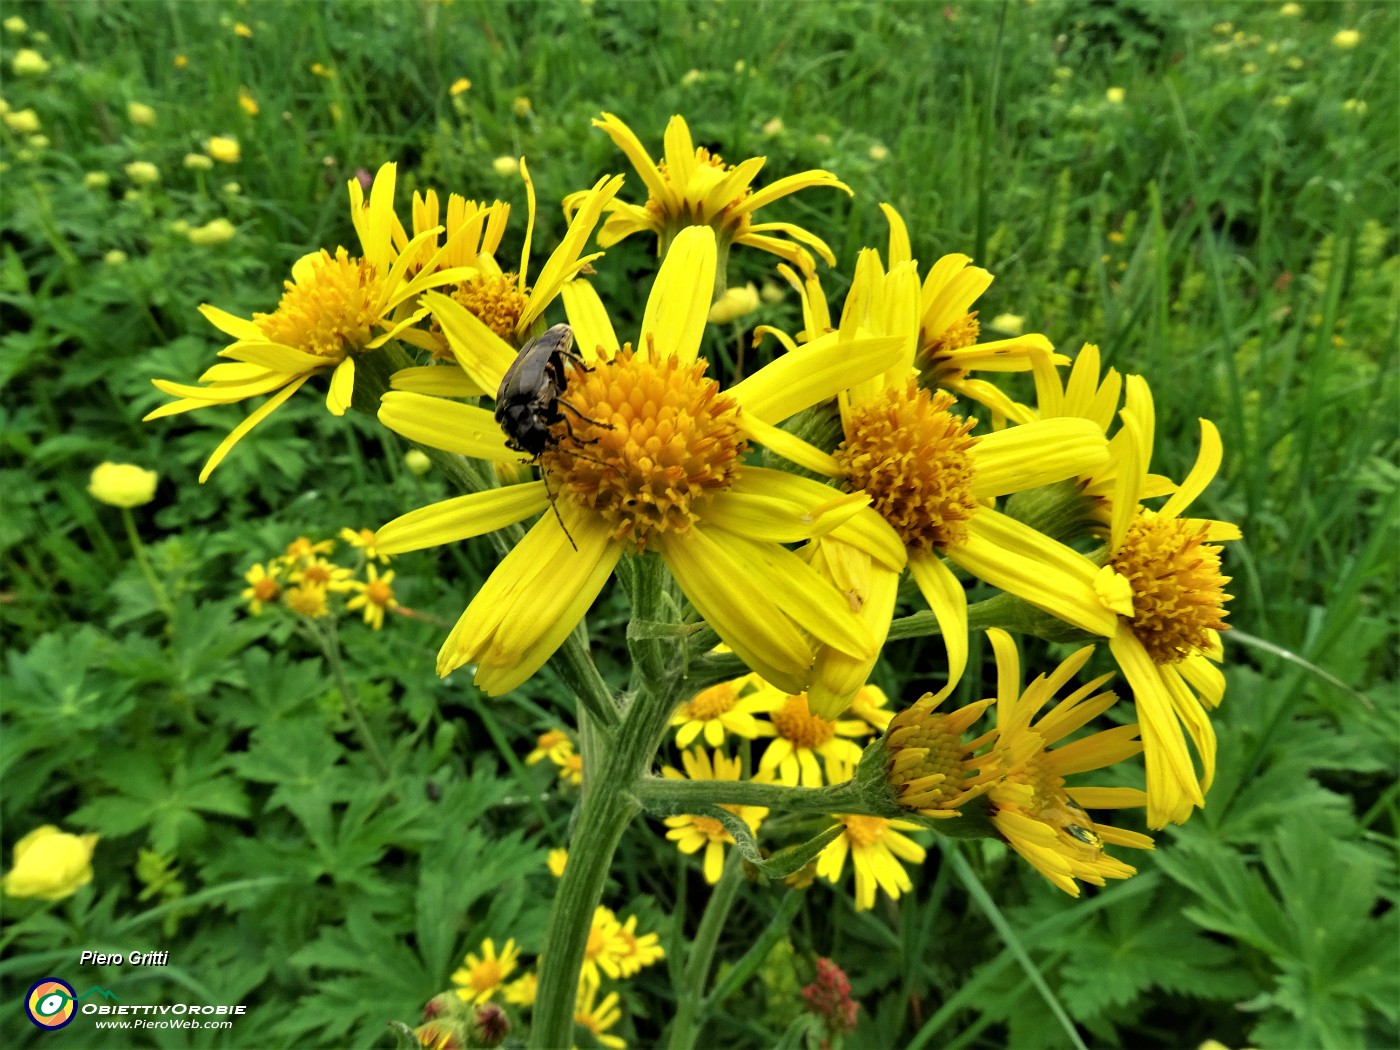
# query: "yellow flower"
{"type": "Point", "coordinates": [1346, 39]}
{"type": "Point", "coordinates": [308, 599]}
{"type": "Point", "coordinates": [930, 478]}
{"type": "Point", "coordinates": [598, 1017]}
{"type": "Point", "coordinates": [800, 736]}
{"type": "Point", "coordinates": [930, 768]}
{"type": "Point", "coordinates": [558, 858]}
{"type": "Point", "coordinates": [25, 121]}
{"type": "Point", "coordinates": [636, 951]}
{"type": "Point", "coordinates": [878, 152]}
{"type": "Point", "coordinates": [724, 708]}
{"type": "Point", "coordinates": [460, 85]}
{"type": "Point", "coordinates": [554, 744]}
{"type": "Point", "coordinates": [247, 102]}
{"type": "Point", "coordinates": [1291, 10]}
{"type": "Point", "coordinates": [181, 61]}
{"type": "Point", "coordinates": [417, 461]}
{"type": "Point", "coordinates": [324, 72]}
{"type": "Point", "coordinates": [505, 165]}
{"type": "Point", "coordinates": [302, 549]}
{"type": "Point", "coordinates": [223, 148]}
{"type": "Point", "coordinates": [521, 991]}
{"type": "Point", "coordinates": [604, 947]}
{"type": "Point", "coordinates": [122, 485]}
{"type": "Point", "coordinates": [335, 308]}
{"type": "Point", "coordinates": [693, 833]}
{"type": "Point", "coordinates": [692, 186]}
{"type": "Point", "coordinates": [1115, 96]}
{"type": "Point", "coordinates": [521, 106]}
{"type": "Point", "coordinates": [1042, 819]}
{"type": "Point", "coordinates": [363, 540]}
{"type": "Point", "coordinates": [1011, 324]}
{"type": "Point", "coordinates": [318, 572]}
{"type": "Point", "coordinates": [15, 24]}
{"type": "Point", "coordinates": [116, 257]}
{"type": "Point", "coordinates": [375, 595]}
{"type": "Point", "coordinates": [242, 30]}
{"type": "Point", "coordinates": [262, 586]}
{"type": "Point", "coordinates": [216, 231]}
{"type": "Point", "coordinates": [734, 304]}
{"type": "Point", "coordinates": [29, 63]}
{"type": "Point", "coordinates": [97, 180]}
{"type": "Point", "coordinates": [51, 864]}
{"type": "Point", "coordinates": [142, 172]}
{"type": "Point", "coordinates": [140, 114]}
{"type": "Point", "coordinates": [653, 462]}
{"type": "Point", "coordinates": [571, 770]}
{"type": "Point", "coordinates": [485, 973]}
{"type": "Point", "coordinates": [198, 162]}
{"type": "Point", "coordinates": [876, 846]}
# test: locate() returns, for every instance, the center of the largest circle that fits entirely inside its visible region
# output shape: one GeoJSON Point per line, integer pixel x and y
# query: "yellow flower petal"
{"type": "Point", "coordinates": [816, 373]}
{"type": "Point", "coordinates": [341, 388]}
{"type": "Point", "coordinates": [464, 429]}
{"type": "Point", "coordinates": [225, 322]}
{"type": "Point", "coordinates": [257, 416]}
{"type": "Point", "coordinates": [462, 517]}
{"type": "Point", "coordinates": [437, 381]}
{"type": "Point", "coordinates": [679, 303]}
{"type": "Point", "coordinates": [589, 319]}
{"type": "Point", "coordinates": [948, 600]}
{"type": "Point", "coordinates": [482, 354]}
{"type": "Point", "coordinates": [1034, 454]}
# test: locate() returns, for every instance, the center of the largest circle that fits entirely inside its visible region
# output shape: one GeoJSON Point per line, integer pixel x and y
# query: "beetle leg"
{"type": "Point", "coordinates": [596, 422]}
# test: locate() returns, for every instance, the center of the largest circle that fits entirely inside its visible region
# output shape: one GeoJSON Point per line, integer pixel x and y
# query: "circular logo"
{"type": "Point", "coordinates": [49, 1003]}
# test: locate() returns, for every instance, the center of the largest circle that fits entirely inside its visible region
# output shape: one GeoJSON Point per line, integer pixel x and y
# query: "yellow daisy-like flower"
{"type": "Point", "coordinates": [557, 860]}
{"type": "Point", "coordinates": [605, 947]}
{"type": "Point", "coordinates": [375, 596]}
{"type": "Point", "coordinates": [799, 736]}
{"type": "Point", "coordinates": [653, 461]}
{"type": "Point", "coordinates": [870, 703]}
{"type": "Point", "coordinates": [363, 539]}
{"type": "Point", "coordinates": [637, 950]}
{"type": "Point", "coordinates": [318, 572]}
{"type": "Point", "coordinates": [499, 307]}
{"type": "Point", "coordinates": [932, 481]}
{"type": "Point", "coordinates": [483, 974]}
{"type": "Point", "coordinates": [553, 744]}
{"type": "Point", "coordinates": [724, 708]}
{"type": "Point", "coordinates": [694, 833]}
{"type": "Point", "coordinates": [307, 600]}
{"type": "Point", "coordinates": [930, 768]}
{"type": "Point", "coordinates": [263, 586]}
{"type": "Point", "coordinates": [694, 187]}
{"type": "Point", "coordinates": [302, 549]}
{"type": "Point", "coordinates": [336, 307]}
{"type": "Point", "coordinates": [1042, 819]}
{"type": "Point", "coordinates": [876, 846]}
{"type": "Point", "coordinates": [598, 1017]}
{"type": "Point", "coordinates": [1166, 644]}
{"type": "Point", "coordinates": [571, 770]}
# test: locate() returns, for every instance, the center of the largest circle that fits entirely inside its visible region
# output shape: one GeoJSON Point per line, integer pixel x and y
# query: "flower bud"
{"type": "Point", "coordinates": [51, 864]}
{"type": "Point", "coordinates": [122, 485]}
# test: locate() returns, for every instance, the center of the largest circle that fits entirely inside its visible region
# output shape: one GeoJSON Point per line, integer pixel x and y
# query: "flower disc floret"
{"type": "Point", "coordinates": [331, 314]}
{"type": "Point", "coordinates": [913, 457]}
{"type": "Point", "coordinates": [797, 724]}
{"type": "Point", "coordinates": [498, 301]}
{"type": "Point", "coordinates": [1178, 590]}
{"type": "Point", "coordinates": [645, 440]}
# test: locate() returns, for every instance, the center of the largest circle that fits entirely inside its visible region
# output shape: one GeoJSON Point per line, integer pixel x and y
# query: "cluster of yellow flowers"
{"type": "Point", "coordinates": [304, 580]}
{"type": "Point", "coordinates": [615, 952]}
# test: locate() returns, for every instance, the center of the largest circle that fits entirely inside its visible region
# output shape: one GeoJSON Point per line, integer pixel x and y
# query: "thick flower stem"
{"type": "Point", "coordinates": [685, 1029]}
{"type": "Point", "coordinates": [690, 796]}
{"type": "Point", "coordinates": [605, 811]}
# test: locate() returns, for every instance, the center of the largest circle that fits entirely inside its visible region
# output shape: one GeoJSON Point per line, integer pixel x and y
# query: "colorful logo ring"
{"type": "Point", "coordinates": [50, 1003]}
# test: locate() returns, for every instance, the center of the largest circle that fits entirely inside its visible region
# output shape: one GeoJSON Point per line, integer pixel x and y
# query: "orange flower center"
{"type": "Point", "coordinates": [912, 456]}
{"type": "Point", "coordinates": [333, 313]}
{"type": "Point", "coordinates": [318, 574]}
{"type": "Point", "coordinates": [942, 756]}
{"type": "Point", "coordinates": [936, 346]}
{"type": "Point", "coordinates": [645, 441]}
{"type": "Point", "coordinates": [497, 301]}
{"type": "Point", "coordinates": [1050, 805]}
{"type": "Point", "coordinates": [795, 723]}
{"type": "Point", "coordinates": [712, 703]}
{"type": "Point", "coordinates": [1178, 590]}
{"type": "Point", "coordinates": [865, 831]}
{"type": "Point", "coordinates": [486, 974]}
{"type": "Point", "coordinates": [267, 590]}
{"type": "Point", "coordinates": [308, 600]}
{"type": "Point", "coordinates": [711, 828]}
{"type": "Point", "coordinates": [379, 592]}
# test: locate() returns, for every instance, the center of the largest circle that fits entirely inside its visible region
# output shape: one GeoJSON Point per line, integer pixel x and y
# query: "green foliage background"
{"type": "Point", "coordinates": [1228, 230]}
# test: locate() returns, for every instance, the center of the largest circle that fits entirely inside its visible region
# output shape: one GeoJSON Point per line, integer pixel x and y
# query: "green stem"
{"type": "Point", "coordinates": [330, 645]}
{"type": "Point", "coordinates": [741, 971]}
{"type": "Point", "coordinates": [143, 560]}
{"type": "Point", "coordinates": [606, 809]}
{"type": "Point", "coordinates": [689, 796]}
{"type": "Point", "coordinates": [686, 1029]}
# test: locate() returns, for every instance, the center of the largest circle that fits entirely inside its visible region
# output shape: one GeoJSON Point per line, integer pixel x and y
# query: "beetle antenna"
{"type": "Point", "coordinates": [554, 505]}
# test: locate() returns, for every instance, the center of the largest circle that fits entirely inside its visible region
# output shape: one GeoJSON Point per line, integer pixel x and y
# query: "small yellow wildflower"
{"type": "Point", "coordinates": [636, 952]}
{"type": "Point", "coordinates": [571, 770]}
{"type": "Point", "coordinates": [375, 596]}
{"type": "Point", "coordinates": [262, 586]}
{"type": "Point", "coordinates": [1291, 10]}
{"type": "Point", "coordinates": [50, 864]}
{"type": "Point", "coordinates": [558, 858]}
{"type": "Point", "coordinates": [692, 833]}
{"type": "Point", "coordinates": [242, 30]}
{"type": "Point", "coordinates": [29, 63]}
{"type": "Point", "coordinates": [216, 231]}
{"type": "Point", "coordinates": [460, 85]}
{"type": "Point", "coordinates": [876, 847]}
{"type": "Point", "coordinates": [417, 461]}
{"type": "Point", "coordinates": [363, 539]}
{"type": "Point", "coordinates": [97, 180]}
{"type": "Point", "coordinates": [505, 165]}
{"type": "Point", "coordinates": [142, 172]}
{"type": "Point", "coordinates": [223, 148]}
{"type": "Point", "coordinates": [15, 24]}
{"type": "Point", "coordinates": [1346, 39]}
{"type": "Point", "coordinates": [598, 1017]}
{"type": "Point", "coordinates": [122, 485]}
{"type": "Point", "coordinates": [734, 304]}
{"type": "Point", "coordinates": [181, 61]}
{"type": "Point", "coordinates": [302, 549]}
{"type": "Point", "coordinates": [728, 707]}
{"type": "Point", "coordinates": [140, 114]}
{"type": "Point", "coordinates": [800, 736]}
{"type": "Point", "coordinates": [878, 153]}
{"type": "Point", "coordinates": [198, 162]}
{"type": "Point", "coordinates": [115, 257]}
{"type": "Point", "coordinates": [604, 947]}
{"type": "Point", "coordinates": [553, 744]}
{"type": "Point", "coordinates": [521, 991]}
{"type": "Point", "coordinates": [25, 121]}
{"type": "Point", "coordinates": [248, 103]}
{"type": "Point", "coordinates": [308, 600]}
{"type": "Point", "coordinates": [1115, 96]}
{"type": "Point", "coordinates": [521, 106]}
{"type": "Point", "coordinates": [324, 72]}
{"type": "Point", "coordinates": [485, 973]}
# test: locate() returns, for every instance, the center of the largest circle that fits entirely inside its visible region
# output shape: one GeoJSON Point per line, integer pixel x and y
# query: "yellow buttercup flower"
{"type": "Point", "coordinates": [649, 460]}
{"type": "Point", "coordinates": [375, 596]}
{"type": "Point", "coordinates": [485, 973]}
{"type": "Point", "coordinates": [460, 85]}
{"type": "Point", "coordinates": [216, 231]}
{"type": "Point", "coordinates": [335, 308]}
{"type": "Point", "coordinates": [140, 114]}
{"type": "Point", "coordinates": [876, 847]}
{"type": "Point", "coordinates": [693, 187]}
{"type": "Point", "coordinates": [635, 950]}
{"type": "Point", "coordinates": [122, 485]}
{"type": "Point", "coordinates": [50, 864]}
{"type": "Point", "coordinates": [1042, 819]}
{"type": "Point", "coordinates": [693, 833]}
{"type": "Point", "coordinates": [604, 946]}
{"type": "Point", "coordinates": [224, 149]}
{"type": "Point", "coordinates": [247, 102]}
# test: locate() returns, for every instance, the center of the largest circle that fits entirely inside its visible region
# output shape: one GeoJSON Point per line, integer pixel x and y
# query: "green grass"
{"type": "Point", "coordinates": [1237, 249]}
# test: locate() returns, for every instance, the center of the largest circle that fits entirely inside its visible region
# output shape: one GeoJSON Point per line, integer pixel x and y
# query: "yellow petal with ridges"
{"type": "Point", "coordinates": [1035, 454]}
{"type": "Point", "coordinates": [277, 357]}
{"type": "Point", "coordinates": [342, 387]}
{"type": "Point", "coordinates": [435, 380]}
{"type": "Point", "coordinates": [1202, 474]}
{"type": "Point", "coordinates": [241, 431]}
{"type": "Point", "coordinates": [483, 354]}
{"type": "Point", "coordinates": [238, 327]}
{"type": "Point", "coordinates": [462, 517]}
{"type": "Point", "coordinates": [679, 303]}
{"type": "Point", "coordinates": [589, 319]}
{"type": "Point", "coordinates": [464, 429]}
{"type": "Point", "coordinates": [814, 374]}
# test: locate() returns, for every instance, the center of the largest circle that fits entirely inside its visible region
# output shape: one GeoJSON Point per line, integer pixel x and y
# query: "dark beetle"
{"type": "Point", "coordinates": [527, 404]}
